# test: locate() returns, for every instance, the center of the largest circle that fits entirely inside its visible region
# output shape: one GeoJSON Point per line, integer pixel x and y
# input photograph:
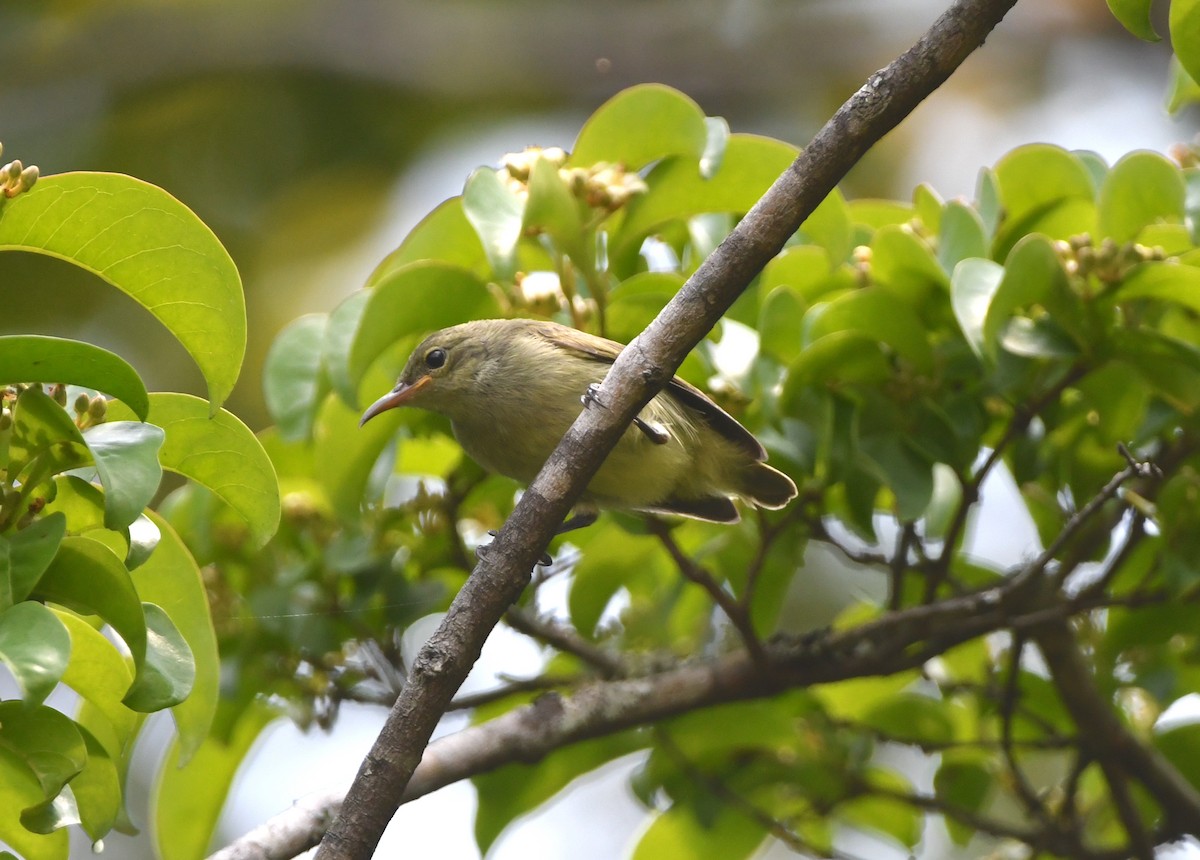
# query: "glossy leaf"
{"type": "Point", "coordinates": [780, 326]}
{"type": "Point", "coordinates": [905, 264]}
{"type": "Point", "coordinates": [220, 453]}
{"type": "Point", "coordinates": [100, 675]}
{"type": "Point", "coordinates": [972, 288]}
{"type": "Point", "coordinates": [25, 555]}
{"type": "Point", "coordinates": [1043, 189]}
{"type": "Point", "coordinates": [640, 125]}
{"type": "Point", "coordinates": [168, 672]}
{"type": "Point", "coordinates": [35, 647]}
{"type": "Point", "coordinates": [340, 331]}
{"type": "Point", "coordinates": [876, 313]}
{"type": "Point", "coordinates": [445, 234]}
{"type": "Point", "coordinates": [171, 579]}
{"type": "Point", "coordinates": [1182, 88]}
{"type": "Point", "coordinates": [88, 578]}
{"type": "Point", "coordinates": [1184, 25]}
{"type": "Point", "coordinates": [1142, 189]}
{"type": "Point", "coordinates": [1033, 275]}
{"type": "Point", "coordinates": [961, 236]}
{"type": "Point", "coordinates": [497, 214]}
{"type": "Point", "coordinates": [20, 789]}
{"type": "Point", "coordinates": [46, 740]}
{"type": "Point", "coordinates": [35, 358]}
{"type": "Point", "coordinates": [150, 246]}
{"type": "Point", "coordinates": [43, 430]}
{"type": "Point", "coordinates": [416, 300]}
{"type": "Point", "coordinates": [1134, 15]}
{"type": "Point", "coordinates": [678, 191]}
{"type": "Point", "coordinates": [126, 458]}
{"type": "Point", "coordinates": [292, 382]}
{"type": "Point", "coordinates": [97, 790]}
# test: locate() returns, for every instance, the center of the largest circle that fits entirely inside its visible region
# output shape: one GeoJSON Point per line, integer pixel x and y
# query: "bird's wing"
{"type": "Point", "coordinates": [605, 350]}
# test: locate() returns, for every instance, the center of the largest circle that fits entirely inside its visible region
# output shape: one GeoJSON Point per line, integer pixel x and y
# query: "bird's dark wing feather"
{"type": "Point", "coordinates": [604, 350]}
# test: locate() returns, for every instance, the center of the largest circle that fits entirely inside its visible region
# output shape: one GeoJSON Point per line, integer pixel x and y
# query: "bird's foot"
{"type": "Point", "coordinates": [654, 432]}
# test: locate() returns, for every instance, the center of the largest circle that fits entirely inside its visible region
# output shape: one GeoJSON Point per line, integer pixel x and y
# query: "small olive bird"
{"type": "Point", "coordinates": [511, 389]}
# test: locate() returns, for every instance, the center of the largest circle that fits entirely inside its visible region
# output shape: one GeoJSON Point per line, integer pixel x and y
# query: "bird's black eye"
{"type": "Point", "coordinates": [435, 358]}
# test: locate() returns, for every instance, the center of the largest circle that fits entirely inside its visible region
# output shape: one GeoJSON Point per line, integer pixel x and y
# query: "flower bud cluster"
{"type": "Point", "coordinates": [1107, 261]}
{"type": "Point", "coordinates": [601, 186]}
{"type": "Point", "coordinates": [16, 178]}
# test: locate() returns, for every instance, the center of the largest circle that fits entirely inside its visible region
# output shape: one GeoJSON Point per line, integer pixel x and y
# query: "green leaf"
{"type": "Point", "coordinates": [496, 213]}
{"type": "Point", "coordinates": [126, 458]}
{"type": "Point", "coordinates": [715, 142]}
{"type": "Point", "coordinates": [551, 207]}
{"type": "Point", "coordinates": [188, 800]}
{"type": "Point", "coordinates": [20, 789]}
{"type": "Point", "coordinates": [876, 313]}
{"type": "Point", "coordinates": [35, 647]}
{"type": "Point", "coordinates": [962, 781]}
{"type": "Point", "coordinates": [844, 356]}
{"type": "Point", "coordinates": [415, 300]}
{"type": "Point", "coordinates": [54, 814]}
{"type": "Point", "coordinates": [97, 790]}
{"type": "Point", "coordinates": [43, 430]}
{"type": "Point", "coordinates": [25, 555]}
{"type": "Point", "coordinates": [1181, 747]}
{"type": "Point", "coordinates": [961, 236]}
{"type": "Point", "coordinates": [884, 815]}
{"type": "Point", "coordinates": [171, 579]}
{"type": "Point", "coordinates": [677, 190]}
{"type": "Point", "coordinates": [34, 358]}
{"type": "Point", "coordinates": [911, 718]}
{"type": "Point", "coordinates": [47, 741]}
{"type": "Point", "coordinates": [1033, 274]}
{"type": "Point", "coordinates": [148, 245]}
{"type": "Point", "coordinates": [444, 235]}
{"type": "Point", "coordinates": [804, 268]}
{"type": "Point", "coordinates": [1143, 188]}
{"type": "Point", "coordinates": [219, 452]}
{"type": "Point", "coordinates": [1134, 16]}
{"type": "Point", "coordinates": [347, 452]}
{"type": "Point", "coordinates": [905, 264]}
{"type": "Point", "coordinates": [88, 578]}
{"type": "Point", "coordinates": [780, 324]}
{"type": "Point", "coordinates": [678, 833]}
{"type": "Point", "coordinates": [100, 675]}
{"type": "Point", "coordinates": [1163, 281]}
{"type": "Point", "coordinates": [972, 288]}
{"type": "Point", "coordinates": [340, 331]}
{"type": "Point", "coordinates": [637, 301]}
{"type": "Point", "coordinates": [292, 381]}
{"type": "Point", "coordinates": [516, 789]}
{"type": "Point", "coordinates": [167, 675]}
{"type": "Point", "coordinates": [906, 473]}
{"type": "Point", "coordinates": [1043, 189]}
{"type": "Point", "coordinates": [1182, 89]}
{"type": "Point", "coordinates": [640, 125]}
{"type": "Point", "coordinates": [1184, 26]}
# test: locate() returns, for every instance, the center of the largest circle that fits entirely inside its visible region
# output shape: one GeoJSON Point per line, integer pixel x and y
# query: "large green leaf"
{"type": "Point", "coordinates": [417, 299]}
{"type": "Point", "coordinates": [219, 452]}
{"type": "Point", "coordinates": [46, 740]}
{"type": "Point", "coordinates": [188, 800]}
{"type": "Point", "coordinates": [640, 125]}
{"type": "Point", "coordinates": [497, 214]}
{"type": "Point", "coordinates": [149, 245]}
{"type": "Point", "coordinates": [171, 579]}
{"type": "Point", "coordinates": [680, 832]}
{"type": "Point", "coordinates": [97, 790]}
{"type": "Point", "coordinates": [34, 358]}
{"type": "Point", "coordinates": [677, 189]}
{"type": "Point", "coordinates": [1184, 24]}
{"type": "Point", "coordinates": [100, 675]}
{"type": "Point", "coordinates": [25, 555]}
{"type": "Point", "coordinates": [292, 380]}
{"type": "Point", "coordinates": [88, 578]}
{"type": "Point", "coordinates": [1134, 15]}
{"type": "Point", "coordinates": [972, 288]}
{"type": "Point", "coordinates": [35, 647]}
{"type": "Point", "coordinates": [40, 429]}
{"type": "Point", "coordinates": [19, 790]}
{"type": "Point", "coordinates": [876, 313]}
{"type": "Point", "coordinates": [167, 675]}
{"type": "Point", "coordinates": [1143, 188]}
{"type": "Point", "coordinates": [444, 234]}
{"type": "Point", "coordinates": [126, 458]}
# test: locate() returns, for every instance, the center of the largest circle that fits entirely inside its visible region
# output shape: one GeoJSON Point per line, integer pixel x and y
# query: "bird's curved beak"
{"type": "Point", "coordinates": [398, 396]}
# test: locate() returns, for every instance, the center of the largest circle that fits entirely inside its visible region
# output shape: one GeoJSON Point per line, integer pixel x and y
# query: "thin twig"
{"type": "Point", "coordinates": [565, 639]}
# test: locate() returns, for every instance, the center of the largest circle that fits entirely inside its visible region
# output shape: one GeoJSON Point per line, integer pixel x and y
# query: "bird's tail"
{"type": "Point", "coordinates": [766, 486]}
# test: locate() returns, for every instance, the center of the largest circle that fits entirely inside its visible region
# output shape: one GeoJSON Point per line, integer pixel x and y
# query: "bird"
{"type": "Point", "coordinates": [512, 387]}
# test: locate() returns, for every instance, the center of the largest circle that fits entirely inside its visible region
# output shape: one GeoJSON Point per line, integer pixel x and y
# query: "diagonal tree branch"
{"type": "Point", "coordinates": [641, 370]}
